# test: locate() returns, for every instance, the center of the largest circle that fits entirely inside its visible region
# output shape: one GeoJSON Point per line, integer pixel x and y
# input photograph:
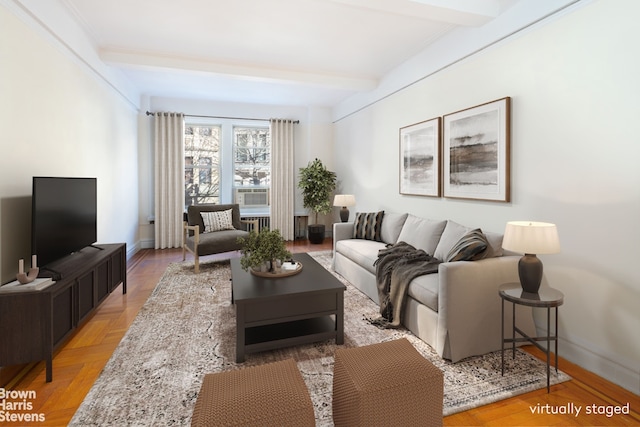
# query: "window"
{"type": "Point", "coordinates": [202, 164]}
{"type": "Point", "coordinates": [228, 162]}
{"type": "Point", "coordinates": [252, 157]}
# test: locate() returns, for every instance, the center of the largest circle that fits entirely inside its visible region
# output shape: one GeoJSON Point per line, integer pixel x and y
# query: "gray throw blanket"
{"type": "Point", "coordinates": [396, 267]}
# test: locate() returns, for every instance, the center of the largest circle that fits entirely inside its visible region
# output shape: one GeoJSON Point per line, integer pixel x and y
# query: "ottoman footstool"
{"type": "Point", "coordinates": [388, 383]}
{"type": "Point", "coordinates": [273, 394]}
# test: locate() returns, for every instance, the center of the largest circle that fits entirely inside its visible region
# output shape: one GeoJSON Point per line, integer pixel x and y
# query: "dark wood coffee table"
{"type": "Point", "coordinates": [282, 312]}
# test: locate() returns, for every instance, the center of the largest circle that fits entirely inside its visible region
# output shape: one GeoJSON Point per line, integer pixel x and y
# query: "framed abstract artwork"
{"type": "Point", "coordinates": [420, 158]}
{"type": "Point", "coordinates": [476, 152]}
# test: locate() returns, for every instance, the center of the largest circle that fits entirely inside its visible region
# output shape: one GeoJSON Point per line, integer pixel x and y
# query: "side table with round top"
{"type": "Point", "coordinates": [546, 298]}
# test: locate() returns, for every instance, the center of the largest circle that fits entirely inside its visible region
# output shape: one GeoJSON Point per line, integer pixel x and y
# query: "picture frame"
{"type": "Point", "coordinates": [476, 152]}
{"type": "Point", "coordinates": [420, 158]}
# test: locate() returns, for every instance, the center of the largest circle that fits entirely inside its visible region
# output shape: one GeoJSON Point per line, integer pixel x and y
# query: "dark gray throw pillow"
{"type": "Point", "coordinates": [368, 225]}
{"type": "Point", "coordinates": [470, 247]}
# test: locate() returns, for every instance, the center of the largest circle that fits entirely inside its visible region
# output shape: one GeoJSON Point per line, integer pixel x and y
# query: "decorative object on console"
{"type": "Point", "coordinates": [476, 151]}
{"type": "Point", "coordinates": [25, 278]}
{"type": "Point", "coordinates": [420, 158]}
{"type": "Point", "coordinates": [317, 183]}
{"type": "Point", "coordinates": [531, 238]}
{"type": "Point", "coordinates": [344, 200]}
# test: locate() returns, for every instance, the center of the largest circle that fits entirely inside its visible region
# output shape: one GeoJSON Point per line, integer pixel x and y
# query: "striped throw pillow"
{"type": "Point", "coordinates": [470, 247]}
{"type": "Point", "coordinates": [217, 221]}
{"type": "Point", "coordinates": [368, 225]}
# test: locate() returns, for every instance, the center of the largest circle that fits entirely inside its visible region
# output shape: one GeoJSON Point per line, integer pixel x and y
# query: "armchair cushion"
{"type": "Point", "coordinates": [217, 242]}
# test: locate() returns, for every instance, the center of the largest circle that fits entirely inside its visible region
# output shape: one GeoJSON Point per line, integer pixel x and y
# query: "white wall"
{"type": "Point", "coordinates": [574, 86]}
{"type": "Point", "coordinates": [58, 118]}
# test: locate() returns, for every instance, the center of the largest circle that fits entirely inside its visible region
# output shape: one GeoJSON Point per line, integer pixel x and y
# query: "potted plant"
{"type": "Point", "coordinates": [262, 250]}
{"type": "Point", "coordinates": [317, 183]}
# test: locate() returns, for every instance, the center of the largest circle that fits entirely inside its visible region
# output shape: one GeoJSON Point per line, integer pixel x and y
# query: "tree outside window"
{"type": "Point", "coordinates": [252, 161]}
{"type": "Point", "coordinates": [202, 164]}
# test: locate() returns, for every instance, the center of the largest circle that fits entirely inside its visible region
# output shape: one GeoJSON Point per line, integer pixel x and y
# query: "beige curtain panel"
{"type": "Point", "coordinates": [282, 177]}
{"type": "Point", "coordinates": [169, 179]}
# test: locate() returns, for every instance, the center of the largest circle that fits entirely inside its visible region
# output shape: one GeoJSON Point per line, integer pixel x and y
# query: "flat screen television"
{"type": "Point", "coordinates": [64, 216]}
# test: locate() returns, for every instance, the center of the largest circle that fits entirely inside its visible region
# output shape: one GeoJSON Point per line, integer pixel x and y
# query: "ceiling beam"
{"type": "Point", "coordinates": [253, 72]}
{"type": "Point", "coordinates": [457, 12]}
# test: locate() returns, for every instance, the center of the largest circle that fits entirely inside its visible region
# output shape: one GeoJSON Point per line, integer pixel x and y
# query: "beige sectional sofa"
{"type": "Point", "coordinates": [457, 310]}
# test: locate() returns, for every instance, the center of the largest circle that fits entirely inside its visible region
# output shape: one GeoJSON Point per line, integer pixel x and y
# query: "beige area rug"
{"type": "Point", "coordinates": [186, 329]}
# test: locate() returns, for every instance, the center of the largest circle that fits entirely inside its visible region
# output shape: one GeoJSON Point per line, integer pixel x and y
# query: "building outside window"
{"type": "Point", "coordinates": [251, 166]}
{"type": "Point", "coordinates": [202, 164]}
{"type": "Point", "coordinates": [252, 162]}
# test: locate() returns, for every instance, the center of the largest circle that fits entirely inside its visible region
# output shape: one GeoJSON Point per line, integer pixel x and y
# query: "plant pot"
{"type": "Point", "coordinates": [316, 233]}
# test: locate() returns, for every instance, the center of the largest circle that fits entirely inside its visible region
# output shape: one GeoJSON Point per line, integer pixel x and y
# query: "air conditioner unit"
{"type": "Point", "coordinates": [252, 196]}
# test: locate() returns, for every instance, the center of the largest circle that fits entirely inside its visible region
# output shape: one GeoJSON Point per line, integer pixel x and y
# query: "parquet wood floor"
{"type": "Point", "coordinates": [78, 363]}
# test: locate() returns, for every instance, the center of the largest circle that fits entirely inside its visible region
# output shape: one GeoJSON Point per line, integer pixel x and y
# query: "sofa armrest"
{"type": "Point", "coordinates": [342, 231]}
{"type": "Point", "coordinates": [469, 303]}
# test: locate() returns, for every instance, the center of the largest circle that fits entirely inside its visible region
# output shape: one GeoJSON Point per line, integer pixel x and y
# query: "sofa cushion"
{"type": "Point", "coordinates": [471, 246]}
{"type": "Point", "coordinates": [451, 235]}
{"type": "Point", "coordinates": [217, 221]}
{"type": "Point", "coordinates": [361, 251]}
{"type": "Point", "coordinates": [422, 233]}
{"type": "Point", "coordinates": [392, 226]}
{"type": "Point", "coordinates": [495, 244]}
{"type": "Point", "coordinates": [424, 289]}
{"type": "Point", "coordinates": [367, 225]}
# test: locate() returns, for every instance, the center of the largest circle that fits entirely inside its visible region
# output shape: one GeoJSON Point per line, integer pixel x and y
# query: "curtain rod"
{"type": "Point", "coordinates": [149, 113]}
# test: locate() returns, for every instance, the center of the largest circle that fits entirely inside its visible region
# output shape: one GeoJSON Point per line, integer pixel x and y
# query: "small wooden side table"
{"type": "Point", "coordinates": [545, 298]}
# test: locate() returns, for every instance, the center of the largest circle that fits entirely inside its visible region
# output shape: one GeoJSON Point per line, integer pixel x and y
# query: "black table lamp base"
{"type": "Point", "coordinates": [344, 214]}
{"type": "Point", "coordinates": [530, 272]}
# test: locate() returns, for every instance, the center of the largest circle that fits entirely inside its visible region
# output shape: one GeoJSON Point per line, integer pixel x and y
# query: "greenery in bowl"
{"type": "Point", "coordinates": [267, 246]}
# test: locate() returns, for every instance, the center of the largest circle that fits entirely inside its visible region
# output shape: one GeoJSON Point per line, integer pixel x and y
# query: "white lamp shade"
{"type": "Point", "coordinates": [531, 237]}
{"type": "Point", "coordinates": [344, 200]}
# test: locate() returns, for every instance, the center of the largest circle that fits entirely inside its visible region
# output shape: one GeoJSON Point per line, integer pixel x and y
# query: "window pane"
{"type": "Point", "coordinates": [252, 157]}
{"type": "Point", "coordinates": [202, 164]}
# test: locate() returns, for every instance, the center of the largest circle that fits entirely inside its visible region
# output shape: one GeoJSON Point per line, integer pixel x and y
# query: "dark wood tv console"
{"type": "Point", "coordinates": [35, 323]}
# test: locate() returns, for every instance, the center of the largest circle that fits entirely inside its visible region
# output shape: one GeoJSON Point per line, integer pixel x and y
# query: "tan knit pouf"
{"type": "Point", "coordinates": [268, 395]}
{"type": "Point", "coordinates": [388, 384]}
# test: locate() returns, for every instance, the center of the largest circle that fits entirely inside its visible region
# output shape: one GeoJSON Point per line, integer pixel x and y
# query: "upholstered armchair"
{"type": "Point", "coordinates": [213, 229]}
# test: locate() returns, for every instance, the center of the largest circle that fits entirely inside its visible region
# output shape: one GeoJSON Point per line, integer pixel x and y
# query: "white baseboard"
{"type": "Point", "coordinates": [147, 244]}
{"type": "Point", "coordinates": [132, 249]}
{"type": "Point", "coordinates": [600, 361]}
